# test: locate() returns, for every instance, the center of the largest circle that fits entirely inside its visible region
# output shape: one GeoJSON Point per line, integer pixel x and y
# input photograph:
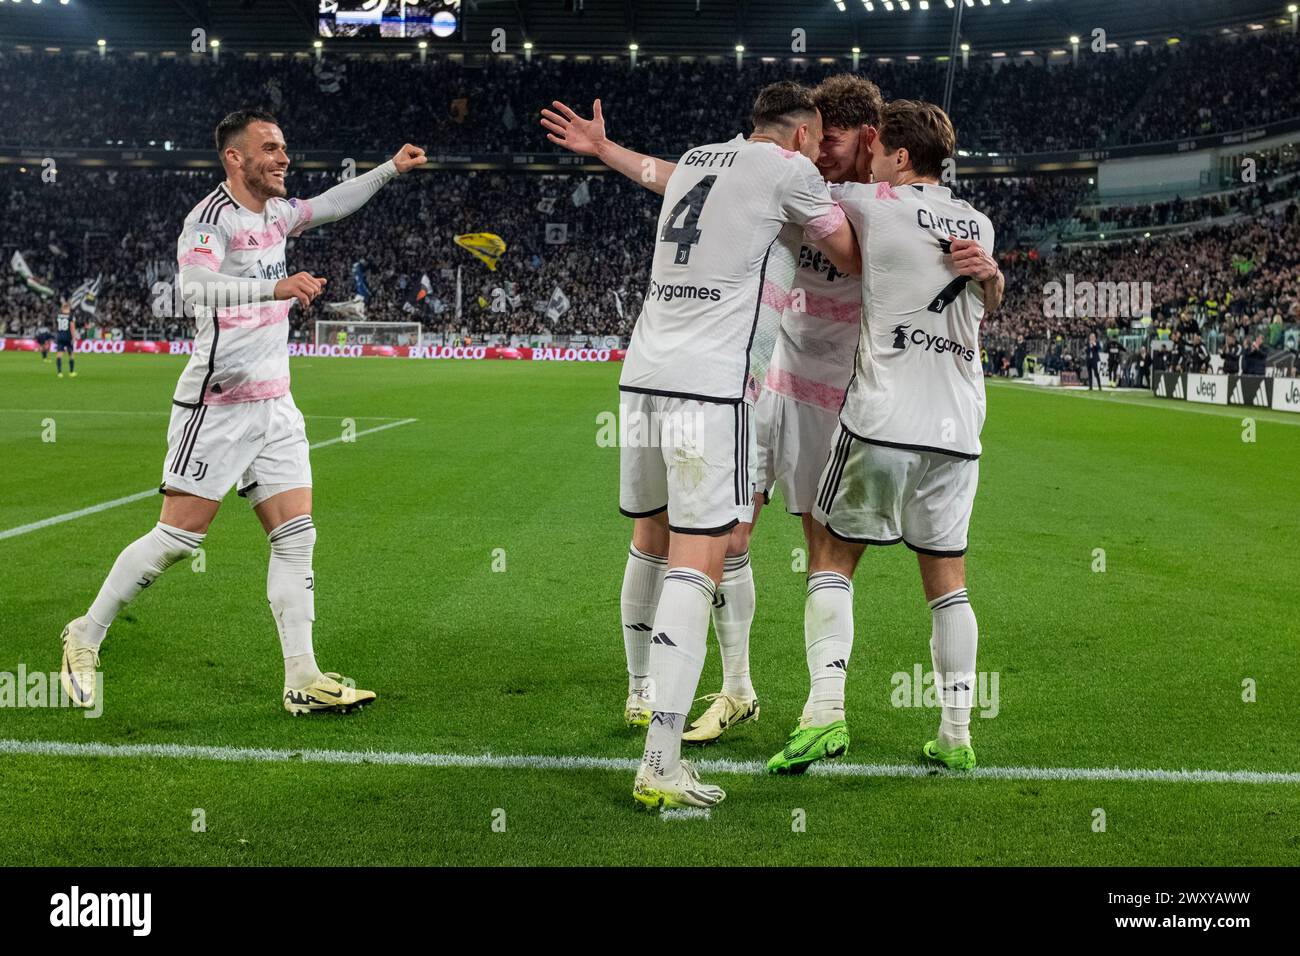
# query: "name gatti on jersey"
{"type": "Point", "coordinates": [961, 228]}
{"type": "Point", "coordinates": [710, 159]}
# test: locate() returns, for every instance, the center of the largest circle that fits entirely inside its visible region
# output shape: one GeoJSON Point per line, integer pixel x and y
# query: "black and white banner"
{"type": "Point", "coordinates": [1207, 389]}
{"type": "Point", "coordinates": [1286, 394]}
{"type": "Point", "coordinates": [1280, 394]}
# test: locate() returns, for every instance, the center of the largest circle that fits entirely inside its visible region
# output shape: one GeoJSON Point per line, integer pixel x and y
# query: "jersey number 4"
{"type": "Point", "coordinates": [681, 226]}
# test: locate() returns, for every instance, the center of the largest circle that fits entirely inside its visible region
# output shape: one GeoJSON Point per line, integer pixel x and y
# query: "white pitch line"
{"type": "Point", "coordinates": [684, 813]}
{"type": "Point", "coordinates": [141, 495]}
{"type": "Point", "coordinates": [51, 748]}
{"type": "Point", "coordinates": [166, 413]}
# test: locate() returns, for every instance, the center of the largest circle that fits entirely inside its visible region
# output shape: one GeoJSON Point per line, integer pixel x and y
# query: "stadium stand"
{"type": "Point", "coordinates": [1223, 261]}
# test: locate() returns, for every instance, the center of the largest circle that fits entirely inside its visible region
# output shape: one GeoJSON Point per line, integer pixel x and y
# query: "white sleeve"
{"type": "Point", "coordinates": [199, 253]}
{"type": "Point", "coordinates": [339, 201]}
{"type": "Point", "coordinates": [852, 198]}
{"type": "Point", "coordinates": [806, 201]}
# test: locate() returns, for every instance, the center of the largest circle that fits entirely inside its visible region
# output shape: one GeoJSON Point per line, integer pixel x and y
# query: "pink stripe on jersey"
{"type": "Point", "coordinates": [254, 316]}
{"type": "Point", "coordinates": [814, 306]}
{"type": "Point", "coordinates": [249, 392]}
{"type": "Point", "coordinates": [824, 307]}
{"type": "Point", "coordinates": [825, 224]}
{"type": "Point", "coordinates": [195, 258]}
{"type": "Point", "coordinates": [774, 296]}
{"type": "Point", "coordinates": [885, 191]}
{"type": "Point", "coordinates": [305, 214]}
{"type": "Point", "coordinates": [803, 389]}
{"type": "Point", "coordinates": [259, 239]}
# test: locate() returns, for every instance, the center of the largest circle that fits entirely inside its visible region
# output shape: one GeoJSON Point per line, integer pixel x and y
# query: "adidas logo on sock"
{"type": "Point", "coordinates": [839, 663]}
{"type": "Point", "coordinates": [662, 638]}
{"type": "Point", "coordinates": [637, 627]}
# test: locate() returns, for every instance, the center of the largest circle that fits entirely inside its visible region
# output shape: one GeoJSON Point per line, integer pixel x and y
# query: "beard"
{"type": "Point", "coordinates": [266, 186]}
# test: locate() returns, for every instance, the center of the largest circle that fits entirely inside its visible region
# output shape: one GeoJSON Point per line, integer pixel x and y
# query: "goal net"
{"type": "Point", "coordinates": [328, 332]}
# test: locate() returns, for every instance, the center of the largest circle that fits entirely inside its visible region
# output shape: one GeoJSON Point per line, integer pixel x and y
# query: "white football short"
{"type": "Point", "coordinates": [878, 494]}
{"type": "Point", "coordinates": [794, 441]}
{"type": "Point", "coordinates": [693, 458]}
{"type": "Point", "coordinates": [249, 445]}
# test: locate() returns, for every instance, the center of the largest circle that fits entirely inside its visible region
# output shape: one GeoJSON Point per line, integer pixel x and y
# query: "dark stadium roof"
{"type": "Point", "coordinates": [657, 26]}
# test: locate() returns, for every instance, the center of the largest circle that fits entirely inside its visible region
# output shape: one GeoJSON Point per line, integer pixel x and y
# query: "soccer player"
{"type": "Point", "coordinates": [728, 238]}
{"type": "Point", "coordinates": [796, 415]}
{"type": "Point", "coordinates": [43, 339]}
{"type": "Point", "coordinates": [234, 422]}
{"type": "Point", "coordinates": [905, 459]}
{"type": "Point", "coordinates": [65, 339]}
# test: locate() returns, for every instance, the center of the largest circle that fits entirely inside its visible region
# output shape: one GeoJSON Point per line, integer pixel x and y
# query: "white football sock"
{"type": "Point", "coordinates": [643, 579]}
{"type": "Point", "coordinates": [828, 639]}
{"type": "Point", "coordinates": [733, 615]}
{"type": "Point", "coordinates": [137, 567]}
{"type": "Point", "coordinates": [663, 744]}
{"type": "Point", "coordinates": [677, 645]}
{"type": "Point", "coordinates": [953, 643]}
{"type": "Point", "coordinates": [290, 587]}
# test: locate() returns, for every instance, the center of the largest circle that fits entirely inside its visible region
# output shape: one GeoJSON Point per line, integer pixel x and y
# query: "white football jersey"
{"type": "Point", "coordinates": [728, 238]}
{"type": "Point", "coordinates": [917, 381]}
{"type": "Point", "coordinates": [241, 351]}
{"type": "Point", "coordinates": [813, 359]}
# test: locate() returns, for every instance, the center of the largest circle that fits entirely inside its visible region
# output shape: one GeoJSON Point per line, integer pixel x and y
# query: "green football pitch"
{"type": "Point", "coordinates": [1132, 565]}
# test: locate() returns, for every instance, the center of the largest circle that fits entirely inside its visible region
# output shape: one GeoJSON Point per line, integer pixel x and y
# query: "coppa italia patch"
{"type": "Point", "coordinates": [204, 239]}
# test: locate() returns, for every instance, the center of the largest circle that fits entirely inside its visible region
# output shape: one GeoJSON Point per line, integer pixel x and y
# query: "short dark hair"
{"type": "Point", "coordinates": [848, 101]}
{"type": "Point", "coordinates": [923, 130]}
{"type": "Point", "coordinates": [783, 104]}
{"type": "Point", "coordinates": [238, 121]}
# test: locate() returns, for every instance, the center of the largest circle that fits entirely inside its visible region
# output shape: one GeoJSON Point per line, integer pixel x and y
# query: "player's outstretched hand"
{"type": "Point", "coordinates": [568, 129]}
{"type": "Point", "coordinates": [302, 286]}
{"type": "Point", "coordinates": [408, 157]}
{"type": "Point", "coordinates": [971, 260]}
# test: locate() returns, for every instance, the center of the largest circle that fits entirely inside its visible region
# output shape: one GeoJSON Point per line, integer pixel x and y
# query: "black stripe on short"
{"type": "Point", "coordinates": [831, 485]}
{"type": "Point", "coordinates": [194, 437]}
{"type": "Point", "coordinates": [175, 466]}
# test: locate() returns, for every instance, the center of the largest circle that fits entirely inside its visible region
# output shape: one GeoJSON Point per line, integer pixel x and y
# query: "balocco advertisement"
{"type": "Point", "coordinates": [549, 353]}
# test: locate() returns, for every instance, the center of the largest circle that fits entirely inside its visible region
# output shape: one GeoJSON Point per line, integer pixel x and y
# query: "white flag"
{"type": "Point", "coordinates": [354, 307]}
{"type": "Point", "coordinates": [557, 233]}
{"type": "Point", "coordinates": [558, 305]}
{"type": "Point", "coordinates": [546, 206]}
{"type": "Point", "coordinates": [582, 195]}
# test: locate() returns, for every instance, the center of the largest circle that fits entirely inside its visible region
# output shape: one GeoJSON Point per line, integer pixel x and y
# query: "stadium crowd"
{"type": "Point", "coordinates": [122, 224]}
{"type": "Point", "coordinates": [663, 106]}
{"type": "Point", "coordinates": [1249, 200]}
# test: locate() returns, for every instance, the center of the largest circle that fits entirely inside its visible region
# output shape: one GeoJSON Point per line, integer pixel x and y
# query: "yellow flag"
{"type": "Point", "coordinates": [487, 247]}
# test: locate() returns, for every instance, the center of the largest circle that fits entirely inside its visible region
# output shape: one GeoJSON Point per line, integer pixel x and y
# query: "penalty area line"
{"type": "Point", "coordinates": [141, 495]}
{"type": "Point", "coordinates": [488, 761]}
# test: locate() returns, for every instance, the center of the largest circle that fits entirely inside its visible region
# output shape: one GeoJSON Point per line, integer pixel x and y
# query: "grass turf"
{"type": "Point", "coordinates": [1137, 666]}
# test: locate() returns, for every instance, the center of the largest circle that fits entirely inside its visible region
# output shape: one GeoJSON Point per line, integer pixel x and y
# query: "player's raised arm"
{"type": "Point", "coordinates": [808, 203]}
{"type": "Point", "coordinates": [347, 197]}
{"type": "Point", "coordinates": [842, 248]}
{"type": "Point", "coordinates": [586, 137]}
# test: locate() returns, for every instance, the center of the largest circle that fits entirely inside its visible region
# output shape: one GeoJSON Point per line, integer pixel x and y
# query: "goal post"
{"type": "Point", "coordinates": [359, 332]}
